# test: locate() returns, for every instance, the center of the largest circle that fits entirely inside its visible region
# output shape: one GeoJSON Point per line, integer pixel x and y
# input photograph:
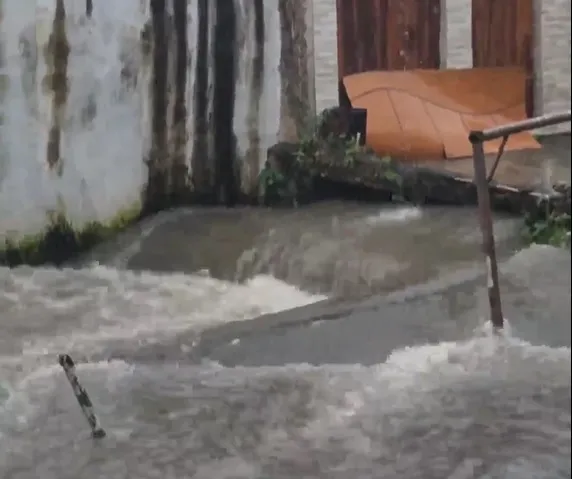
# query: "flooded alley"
{"type": "Point", "coordinates": [339, 340]}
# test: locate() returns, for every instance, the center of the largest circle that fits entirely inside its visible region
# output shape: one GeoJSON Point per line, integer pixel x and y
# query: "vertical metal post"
{"type": "Point", "coordinates": [488, 241]}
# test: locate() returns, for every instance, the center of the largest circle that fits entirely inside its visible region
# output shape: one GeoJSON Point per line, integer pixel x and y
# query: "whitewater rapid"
{"type": "Point", "coordinates": [483, 406]}
{"type": "Point", "coordinates": [283, 371]}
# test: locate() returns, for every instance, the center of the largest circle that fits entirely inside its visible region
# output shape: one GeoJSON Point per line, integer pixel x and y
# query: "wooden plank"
{"type": "Point", "coordinates": [452, 130]}
{"type": "Point", "coordinates": [502, 36]}
{"type": "Point", "coordinates": [435, 34]}
{"type": "Point", "coordinates": [387, 35]}
{"type": "Point", "coordinates": [414, 32]}
{"type": "Point", "coordinates": [367, 26]}
{"type": "Point", "coordinates": [419, 135]}
{"type": "Point", "coordinates": [346, 35]}
{"type": "Point", "coordinates": [524, 32]}
{"type": "Point", "coordinates": [395, 56]}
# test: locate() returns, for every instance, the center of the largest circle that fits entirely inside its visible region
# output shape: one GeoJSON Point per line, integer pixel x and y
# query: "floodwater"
{"type": "Point", "coordinates": [338, 341]}
{"type": "Point", "coordinates": [385, 369]}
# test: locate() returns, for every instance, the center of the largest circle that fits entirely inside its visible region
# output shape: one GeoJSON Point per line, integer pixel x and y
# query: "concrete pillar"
{"type": "Point", "coordinates": [552, 59]}
{"type": "Point", "coordinates": [326, 54]}
{"type": "Point", "coordinates": [456, 34]}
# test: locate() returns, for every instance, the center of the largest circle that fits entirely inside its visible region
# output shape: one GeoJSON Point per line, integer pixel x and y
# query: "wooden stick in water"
{"type": "Point", "coordinates": [81, 395]}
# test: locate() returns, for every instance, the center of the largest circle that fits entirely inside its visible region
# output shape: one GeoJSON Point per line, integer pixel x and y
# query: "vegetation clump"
{"type": "Point", "coordinates": [325, 149]}
{"type": "Point", "coordinates": [61, 240]}
{"type": "Point", "coordinates": [551, 223]}
{"type": "Point", "coordinates": [554, 230]}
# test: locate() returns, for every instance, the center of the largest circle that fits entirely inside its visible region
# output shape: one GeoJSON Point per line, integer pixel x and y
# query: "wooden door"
{"type": "Point", "coordinates": [502, 35]}
{"type": "Point", "coordinates": [387, 35]}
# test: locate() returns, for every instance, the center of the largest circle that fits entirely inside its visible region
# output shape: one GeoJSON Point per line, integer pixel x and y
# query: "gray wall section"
{"type": "Point", "coordinates": [325, 54]}
{"type": "Point", "coordinates": [456, 34]}
{"type": "Point", "coordinates": [553, 58]}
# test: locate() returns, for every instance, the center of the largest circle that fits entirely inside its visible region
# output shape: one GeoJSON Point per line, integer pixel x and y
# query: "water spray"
{"type": "Point", "coordinates": [81, 395]}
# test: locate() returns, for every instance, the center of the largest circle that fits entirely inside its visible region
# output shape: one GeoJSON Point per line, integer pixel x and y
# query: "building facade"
{"type": "Point", "coordinates": [452, 34]}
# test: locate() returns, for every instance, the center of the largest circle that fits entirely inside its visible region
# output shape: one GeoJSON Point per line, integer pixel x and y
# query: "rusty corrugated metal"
{"type": "Point", "coordinates": [502, 36]}
{"type": "Point", "coordinates": [387, 35]}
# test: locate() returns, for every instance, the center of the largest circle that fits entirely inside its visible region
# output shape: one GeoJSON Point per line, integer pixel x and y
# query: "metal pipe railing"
{"type": "Point", "coordinates": [482, 179]}
{"type": "Point", "coordinates": [519, 126]}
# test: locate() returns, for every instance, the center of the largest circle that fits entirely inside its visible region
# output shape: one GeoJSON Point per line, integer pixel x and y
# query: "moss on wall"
{"type": "Point", "coordinates": [61, 241]}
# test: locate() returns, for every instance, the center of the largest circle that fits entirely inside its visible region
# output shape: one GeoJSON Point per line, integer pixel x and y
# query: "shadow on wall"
{"type": "Point", "coordinates": [229, 79]}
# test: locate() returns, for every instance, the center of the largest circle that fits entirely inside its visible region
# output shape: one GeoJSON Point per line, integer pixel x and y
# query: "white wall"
{"type": "Point", "coordinates": [268, 122]}
{"type": "Point", "coordinates": [325, 54]}
{"type": "Point", "coordinates": [456, 34]}
{"type": "Point", "coordinates": [106, 124]}
{"type": "Point", "coordinates": [102, 171]}
{"type": "Point", "coordinates": [553, 58]}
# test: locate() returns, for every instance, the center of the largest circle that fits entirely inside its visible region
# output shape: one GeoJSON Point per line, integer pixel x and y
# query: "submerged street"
{"type": "Point", "coordinates": [385, 368]}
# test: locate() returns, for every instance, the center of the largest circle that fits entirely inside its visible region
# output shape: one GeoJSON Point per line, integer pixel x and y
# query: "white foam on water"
{"type": "Point", "coordinates": [114, 305]}
{"type": "Point", "coordinates": [356, 409]}
{"type": "Point", "coordinates": [395, 215]}
{"type": "Point", "coordinates": [82, 312]}
{"type": "Point", "coordinates": [27, 398]}
{"type": "Point", "coordinates": [430, 389]}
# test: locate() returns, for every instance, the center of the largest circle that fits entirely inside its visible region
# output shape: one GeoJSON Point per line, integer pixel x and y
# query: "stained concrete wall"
{"type": "Point", "coordinates": [103, 105]}
{"type": "Point", "coordinates": [107, 105]}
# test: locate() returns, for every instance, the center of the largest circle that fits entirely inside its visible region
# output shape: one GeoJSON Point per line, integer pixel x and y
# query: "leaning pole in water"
{"type": "Point", "coordinates": [81, 395]}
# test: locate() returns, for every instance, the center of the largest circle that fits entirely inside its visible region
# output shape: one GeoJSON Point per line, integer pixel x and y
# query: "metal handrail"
{"type": "Point", "coordinates": [482, 180]}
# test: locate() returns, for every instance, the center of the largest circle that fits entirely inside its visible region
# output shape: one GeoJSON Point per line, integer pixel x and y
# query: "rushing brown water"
{"type": "Point", "coordinates": [339, 341]}
{"type": "Point", "coordinates": [407, 385]}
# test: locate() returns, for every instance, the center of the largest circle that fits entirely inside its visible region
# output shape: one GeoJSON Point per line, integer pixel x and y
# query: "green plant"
{"type": "Point", "coordinates": [61, 240]}
{"type": "Point", "coordinates": [390, 173]}
{"type": "Point", "coordinates": [319, 148]}
{"type": "Point", "coordinates": [324, 150]}
{"type": "Point", "coordinates": [554, 229]}
{"type": "Point", "coordinates": [308, 141]}
{"type": "Point", "coordinates": [272, 185]}
{"type": "Point", "coordinates": [315, 144]}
